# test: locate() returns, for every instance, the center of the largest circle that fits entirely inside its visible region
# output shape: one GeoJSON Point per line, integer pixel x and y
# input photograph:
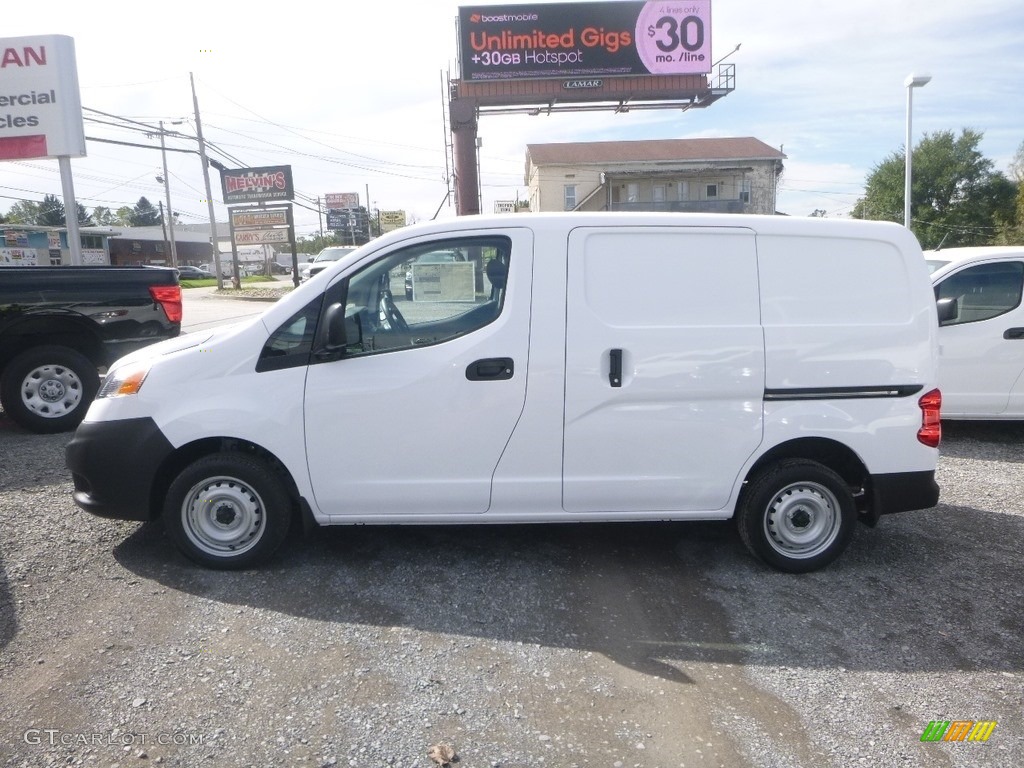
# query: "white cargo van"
{"type": "Point", "coordinates": [981, 331]}
{"type": "Point", "coordinates": [613, 367]}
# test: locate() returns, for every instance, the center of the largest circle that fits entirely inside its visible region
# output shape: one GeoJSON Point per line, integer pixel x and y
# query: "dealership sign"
{"type": "Point", "coordinates": [584, 40]}
{"type": "Point", "coordinates": [40, 104]}
{"type": "Point", "coordinates": [257, 185]}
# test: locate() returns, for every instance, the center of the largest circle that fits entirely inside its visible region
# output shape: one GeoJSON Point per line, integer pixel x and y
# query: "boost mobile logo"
{"type": "Point", "coordinates": [478, 18]}
{"type": "Point", "coordinates": [958, 730]}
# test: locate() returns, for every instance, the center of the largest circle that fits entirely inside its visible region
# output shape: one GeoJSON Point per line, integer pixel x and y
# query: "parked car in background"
{"type": "Point", "coordinates": [981, 331]}
{"type": "Point", "coordinates": [324, 258]}
{"type": "Point", "coordinates": [188, 272]}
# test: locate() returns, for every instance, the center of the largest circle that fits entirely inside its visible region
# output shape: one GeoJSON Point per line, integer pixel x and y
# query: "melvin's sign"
{"type": "Point", "coordinates": [40, 105]}
{"type": "Point", "coordinates": [257, 185]}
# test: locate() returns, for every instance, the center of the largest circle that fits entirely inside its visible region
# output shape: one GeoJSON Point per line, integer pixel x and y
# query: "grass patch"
{"type": "Point", "coordinates": [208, 282]}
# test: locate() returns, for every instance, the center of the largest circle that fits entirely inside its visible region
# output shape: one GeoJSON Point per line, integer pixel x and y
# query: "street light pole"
{"type": "Point", "coordinates": [913, 81]}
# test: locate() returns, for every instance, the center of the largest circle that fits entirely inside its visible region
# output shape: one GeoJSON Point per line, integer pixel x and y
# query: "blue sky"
{"type": "Point", "coordinates": [351, 95]}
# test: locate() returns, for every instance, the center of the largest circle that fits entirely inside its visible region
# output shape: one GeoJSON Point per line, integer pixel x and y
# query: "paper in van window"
{"type": "Point", "coordinates": [443, 282]}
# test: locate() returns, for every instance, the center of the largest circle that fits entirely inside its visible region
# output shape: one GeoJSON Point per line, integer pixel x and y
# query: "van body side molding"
{"type": "Point", "coordinates": [841, 393]}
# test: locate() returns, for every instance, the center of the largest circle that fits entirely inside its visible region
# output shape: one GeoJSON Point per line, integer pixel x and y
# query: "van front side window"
{"type": "Point", "coordinates": [983, 292]}
{"type": "Point", "coordinates": [425, 294]}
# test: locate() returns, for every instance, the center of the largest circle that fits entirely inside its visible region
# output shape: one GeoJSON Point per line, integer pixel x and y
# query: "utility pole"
{"type": "Point", "coordinates": [209, 195]}
{"type": "Point", "coordinates": [163, 225]}
{"type": "Point", "coordinates": [167, 194]}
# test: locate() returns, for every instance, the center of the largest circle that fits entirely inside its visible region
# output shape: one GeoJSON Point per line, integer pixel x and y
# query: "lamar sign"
{"type": "Point", "coordinates": [40, 105]}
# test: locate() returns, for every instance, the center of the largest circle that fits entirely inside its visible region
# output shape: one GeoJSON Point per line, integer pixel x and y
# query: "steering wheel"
{"type": "Point", "coordinates": [390, 314]}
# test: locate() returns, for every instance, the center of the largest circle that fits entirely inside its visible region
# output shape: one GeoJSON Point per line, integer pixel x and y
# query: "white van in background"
{"type": "Point", "coordinates": [619, 367]}
{"type": "Point", "coordinates": [981, 331]}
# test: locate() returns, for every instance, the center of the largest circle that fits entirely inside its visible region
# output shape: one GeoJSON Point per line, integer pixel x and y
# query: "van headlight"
{"type": "Point", "coordinates": [125, 380]}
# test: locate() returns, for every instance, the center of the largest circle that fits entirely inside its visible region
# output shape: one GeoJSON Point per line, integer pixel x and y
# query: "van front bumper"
{"type": "Point", "coordinates": [113, 465]}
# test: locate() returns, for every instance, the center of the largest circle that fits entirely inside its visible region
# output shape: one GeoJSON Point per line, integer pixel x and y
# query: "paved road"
{"type": "Point", "coordinates": [204, 310]}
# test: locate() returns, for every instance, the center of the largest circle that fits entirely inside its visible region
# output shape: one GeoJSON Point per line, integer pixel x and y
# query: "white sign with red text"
{"type": "Point", "coordinates": [40, 104]}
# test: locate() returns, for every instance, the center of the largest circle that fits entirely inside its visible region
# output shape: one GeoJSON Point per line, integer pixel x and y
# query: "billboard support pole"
{"type": "Point", "coordinates": [462, 114]}
{"type": "Point", "coordinates": [70, 210]}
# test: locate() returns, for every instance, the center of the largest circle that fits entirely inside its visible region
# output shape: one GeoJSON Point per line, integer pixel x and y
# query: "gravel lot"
{"type": "Point", "coordinates": [634, 646]}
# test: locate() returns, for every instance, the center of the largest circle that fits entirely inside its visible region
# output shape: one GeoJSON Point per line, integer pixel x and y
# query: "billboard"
{"type": "Point", "coordinates": [341, 200]}
{"type": "Point", "coordinates": [257, 185]}
{"type": "Point", "coordinates": [40, 104]}
{"type": "Point", "coordinates": [585, 40]}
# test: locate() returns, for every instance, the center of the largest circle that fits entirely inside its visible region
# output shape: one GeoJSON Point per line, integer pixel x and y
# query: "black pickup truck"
{"type": "Point", "coordinates": [60, 326]}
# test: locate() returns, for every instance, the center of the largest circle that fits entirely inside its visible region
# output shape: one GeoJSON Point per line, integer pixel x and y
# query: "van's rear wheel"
{"type": "Point", "coordinates": [228, 511]}
{"type": "Point", "coordinates": [796, 515]}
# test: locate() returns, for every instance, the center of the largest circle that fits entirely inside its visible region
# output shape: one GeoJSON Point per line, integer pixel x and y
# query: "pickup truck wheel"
{"type": "Point", "coordinates": [796, 515]}
{"type": "Point", "coordinates": [228, 511]}
{"type": "Point", "coordinates": [48, 389]}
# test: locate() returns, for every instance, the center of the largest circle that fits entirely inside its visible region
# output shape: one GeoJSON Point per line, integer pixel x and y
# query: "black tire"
{"type": "Point", "coordinates": [228, 511]}
{"type": "Point", "coordinates": [49, 389]}
{"type": "Point", "coordinates": [796, 515]}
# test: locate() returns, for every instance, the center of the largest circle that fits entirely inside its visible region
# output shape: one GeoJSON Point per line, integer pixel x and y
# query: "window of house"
{"type": "Point", "coordinates": [658, 193]}
{"type": "Point", "coordinates": [632, 193]}
{"type": "Point", "coordinates": [745, 190]}
{"type": "Point", "coordinates": [711, 191]}
{"type": "Point", "coordinates": [683, 190]}
{"type": "Point", "coordinates": [570, 197]}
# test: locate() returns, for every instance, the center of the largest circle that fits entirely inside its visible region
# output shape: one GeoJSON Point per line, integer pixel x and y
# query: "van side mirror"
{"type": "Point", "coordinates": [342, 331]}
{"type": "Point", "coordinates": [948, 309]}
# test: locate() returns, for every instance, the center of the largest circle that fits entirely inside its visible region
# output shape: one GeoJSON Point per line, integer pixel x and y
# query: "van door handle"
{"type": "Point", "coordinates": [491, 369]}
{"type": "Point", "coordinates": [615, 368]}
{"type": "Point", "coordinates": [1014, 333]}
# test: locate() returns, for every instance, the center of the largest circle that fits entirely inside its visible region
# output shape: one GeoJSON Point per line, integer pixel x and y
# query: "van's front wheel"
{"type": "Point", "coordinates": [796, 515]}
{"type": "Point", "coordinates": [228, 511]}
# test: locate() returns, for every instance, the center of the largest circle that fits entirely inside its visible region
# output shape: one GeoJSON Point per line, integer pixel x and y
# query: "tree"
{"type": "Point", "coordinates": [144, 214]}
{"type": "Point", "coordinates": [51, 212]}
{"type": "Point", "coordinates": [23, 212]}
{"type": "Point", "coordinates": [123, 216]}
{"type": "Point", "coordinates": [103, 216]}
{"type": "Point", "coordinates": [1012, 232]}
{"type": "Point", "coordinates": [957, 195]}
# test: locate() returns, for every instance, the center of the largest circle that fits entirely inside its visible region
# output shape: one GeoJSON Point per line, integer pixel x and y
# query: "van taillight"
{"type": "Point", "coordinates": [930, 432]}
{"type": "Point", "coordinates": [168, 297]}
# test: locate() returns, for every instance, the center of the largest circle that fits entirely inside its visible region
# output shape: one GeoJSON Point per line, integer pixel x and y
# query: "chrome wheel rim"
{"type": "Point", "coordinates": [223, 516]}
{"type": "Point", "coordinates": [802, 520]}
{"type": "Point", "coordinates": [51, 391]}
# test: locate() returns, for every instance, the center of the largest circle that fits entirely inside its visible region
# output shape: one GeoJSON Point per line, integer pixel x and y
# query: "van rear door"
{"type": "Point", "coordinates": [677, 311]}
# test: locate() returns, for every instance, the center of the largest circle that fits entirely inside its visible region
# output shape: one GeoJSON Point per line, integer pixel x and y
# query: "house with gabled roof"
{"type": "Point", "coordinates": [729, 175]}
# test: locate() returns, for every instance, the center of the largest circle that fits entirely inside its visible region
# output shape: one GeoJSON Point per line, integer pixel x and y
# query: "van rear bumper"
{"type": "Point", "coordinates": [105, 484]}
{"type": "Point", "coordinates": [901, 492]}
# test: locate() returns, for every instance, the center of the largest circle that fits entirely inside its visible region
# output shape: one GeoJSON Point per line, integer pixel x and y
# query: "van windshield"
{"type": "Point", "coordinates": [332, 254]}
